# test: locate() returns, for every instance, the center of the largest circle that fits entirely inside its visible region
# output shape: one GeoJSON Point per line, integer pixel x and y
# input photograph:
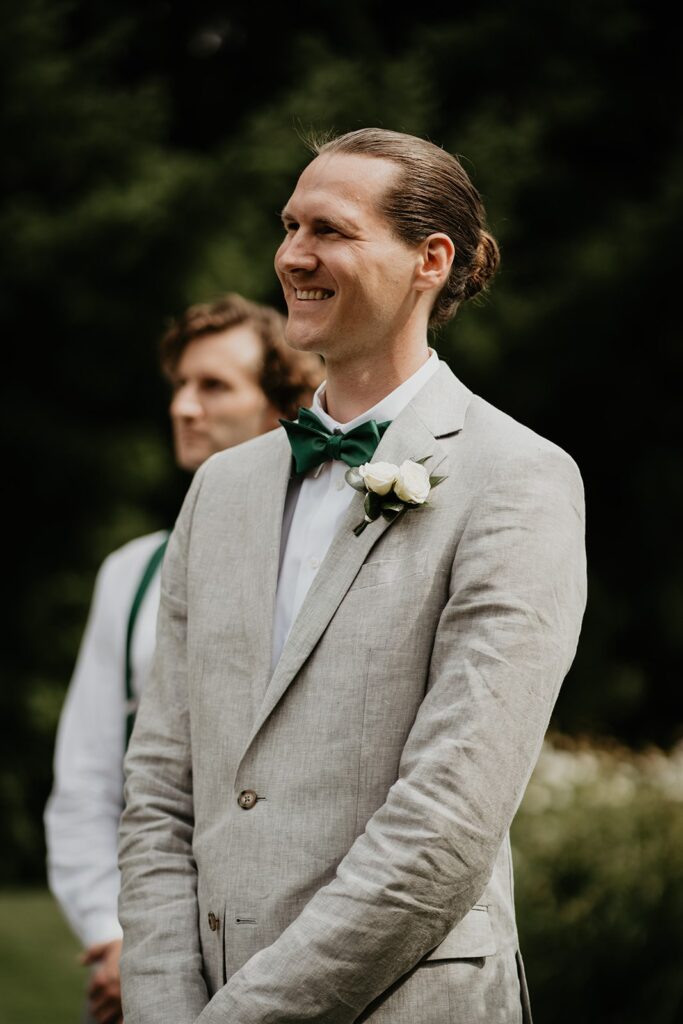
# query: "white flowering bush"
{"type": "Point", "coordinates": [598, 849]}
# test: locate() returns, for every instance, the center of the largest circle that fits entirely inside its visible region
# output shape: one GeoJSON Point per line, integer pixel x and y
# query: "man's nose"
{"type": "Point", "coordinates": [294, 254]}
{"type": "Point", "coordinates": [185, 402]}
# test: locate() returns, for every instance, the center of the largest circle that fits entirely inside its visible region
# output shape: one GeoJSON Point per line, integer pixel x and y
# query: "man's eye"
{"type": "Point", "coordinates": [213, 384]}
{"type": "Point", "coordinates": [290, 225]}
{"type": "Point", "coordinates": [327, 229]}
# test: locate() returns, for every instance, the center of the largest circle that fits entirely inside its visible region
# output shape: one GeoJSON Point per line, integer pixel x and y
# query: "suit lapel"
{"type": "Point", "coordinates": [439, 407]}
{"type": "Point", "coordinates": [267, 492]}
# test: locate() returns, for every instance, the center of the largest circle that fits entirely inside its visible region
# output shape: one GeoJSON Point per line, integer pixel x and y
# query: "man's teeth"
{"type": "Point", "coordinates": [317, 293]}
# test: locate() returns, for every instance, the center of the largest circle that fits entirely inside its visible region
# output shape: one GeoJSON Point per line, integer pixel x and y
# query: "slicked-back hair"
{"type": "Point", "coordinates": [431, 193]}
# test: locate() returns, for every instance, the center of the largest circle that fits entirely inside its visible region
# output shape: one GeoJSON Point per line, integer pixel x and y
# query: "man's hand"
{"type": "Point", "coordinates": [104, 990]}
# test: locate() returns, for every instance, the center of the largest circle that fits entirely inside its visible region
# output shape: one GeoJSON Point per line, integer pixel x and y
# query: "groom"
{"type": "Point", "coordinates": [353, 679]}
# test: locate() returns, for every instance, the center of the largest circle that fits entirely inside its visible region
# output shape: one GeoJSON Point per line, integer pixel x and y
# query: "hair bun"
{"type": "Point", "coordinates": [484, 265]}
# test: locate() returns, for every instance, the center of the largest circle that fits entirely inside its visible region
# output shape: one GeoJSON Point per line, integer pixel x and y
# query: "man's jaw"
{"type": "Point", "coordinates": [309, 308]}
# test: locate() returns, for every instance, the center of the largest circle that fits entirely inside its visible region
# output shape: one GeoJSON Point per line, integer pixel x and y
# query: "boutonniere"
{"type": "Point", "coordinates": [390, 490]}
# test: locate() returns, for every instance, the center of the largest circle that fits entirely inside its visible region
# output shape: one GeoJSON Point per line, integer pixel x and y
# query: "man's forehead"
{"type": "Point", "coordinates": [222, 351]}
{"type": "Point", "coordinates": [349, 181]}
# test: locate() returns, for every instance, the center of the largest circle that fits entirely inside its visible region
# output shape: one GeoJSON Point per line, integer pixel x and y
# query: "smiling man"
{"type": "Point", "coordinates": [365, 621]}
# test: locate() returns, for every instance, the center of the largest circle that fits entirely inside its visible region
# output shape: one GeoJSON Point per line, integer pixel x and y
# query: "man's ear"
{"type": "Point", "coordinates": [436, 258]}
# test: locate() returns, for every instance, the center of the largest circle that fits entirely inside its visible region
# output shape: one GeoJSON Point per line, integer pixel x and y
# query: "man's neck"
{"type": "Point", "coordinates": [354, 387]}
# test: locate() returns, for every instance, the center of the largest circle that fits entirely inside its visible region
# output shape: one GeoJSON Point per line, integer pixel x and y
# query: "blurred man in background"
{"type": "Point", "coordinates": [232, 376]}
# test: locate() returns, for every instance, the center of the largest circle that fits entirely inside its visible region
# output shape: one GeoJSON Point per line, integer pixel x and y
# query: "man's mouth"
{"type": "Point", "coordinates": [313, 294]}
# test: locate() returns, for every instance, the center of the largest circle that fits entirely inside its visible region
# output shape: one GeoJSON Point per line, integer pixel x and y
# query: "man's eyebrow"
{"type": "Point", "coordinates": [336, 221]}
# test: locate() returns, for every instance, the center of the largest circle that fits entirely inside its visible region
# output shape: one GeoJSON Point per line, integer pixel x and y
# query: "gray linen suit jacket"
{"type": "Point", "coordinates": [389, 749]}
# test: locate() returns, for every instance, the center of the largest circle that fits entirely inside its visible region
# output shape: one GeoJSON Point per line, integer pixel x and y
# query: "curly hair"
{"type": "Point", "coordinates": [288, 378]}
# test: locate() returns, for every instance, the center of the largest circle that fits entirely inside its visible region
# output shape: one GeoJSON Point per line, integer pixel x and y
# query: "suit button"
{"type": "Point", "coordinates": [247, 799]}
{"type": "Point", "coordinates": [213, 922]}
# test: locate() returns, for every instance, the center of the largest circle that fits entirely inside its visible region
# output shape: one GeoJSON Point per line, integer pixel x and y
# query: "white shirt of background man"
{"type": "Point", "coordinates": [82, 814]}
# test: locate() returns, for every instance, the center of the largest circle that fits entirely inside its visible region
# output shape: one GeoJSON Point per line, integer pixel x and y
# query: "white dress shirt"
{"type": "Point", "coordinates": [316, 503]}
{"type": "Point", "coordinates": [82, 814]}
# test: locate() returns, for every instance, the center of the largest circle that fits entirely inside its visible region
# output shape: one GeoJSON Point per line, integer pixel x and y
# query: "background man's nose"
{"type": "Point", "coordinates": [185, 402]}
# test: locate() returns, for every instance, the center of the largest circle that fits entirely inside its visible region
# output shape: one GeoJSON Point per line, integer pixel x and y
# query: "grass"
{"type": "Point", "coordinates": [41, 981]}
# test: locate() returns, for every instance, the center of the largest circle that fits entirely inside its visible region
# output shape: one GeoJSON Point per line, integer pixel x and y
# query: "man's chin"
{"type": "Point", "coordinates": [191, 458]}
{"type": "Point", "coordinates": [304, 340]}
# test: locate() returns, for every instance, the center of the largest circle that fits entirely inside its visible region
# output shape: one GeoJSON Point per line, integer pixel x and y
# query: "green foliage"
{"type": "Point", "coordinates": [597, 848]}
{"type": "Point", "coordinates": [149, 149]}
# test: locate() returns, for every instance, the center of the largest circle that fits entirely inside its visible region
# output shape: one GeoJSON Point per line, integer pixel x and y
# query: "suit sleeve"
{"type": "Point", "coordinates": [161, 965]}
{"type": "Point", "coordinates": [505, 640]}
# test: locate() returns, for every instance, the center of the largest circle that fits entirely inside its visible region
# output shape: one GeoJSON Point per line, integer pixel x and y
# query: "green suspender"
{"type": "Point", "coordinates": [145, 580]}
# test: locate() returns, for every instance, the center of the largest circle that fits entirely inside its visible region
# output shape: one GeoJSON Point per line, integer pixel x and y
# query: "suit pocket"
{"type": "Point", "coordinates": [471, 937]}
{"type": "Point", "coordinates": [391, 570]}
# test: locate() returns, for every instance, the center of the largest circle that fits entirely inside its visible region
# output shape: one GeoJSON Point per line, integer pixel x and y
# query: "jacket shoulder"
{"type": "Point", "coordinates": [230, 469]}
{"type": "Point", "coordinates": [503, 442]}
{"type": "Point", "coordinates": [243, 457]}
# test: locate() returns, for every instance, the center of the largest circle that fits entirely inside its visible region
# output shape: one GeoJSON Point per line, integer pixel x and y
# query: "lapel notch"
{"type": "Point", "coordinates": [437, 410]}
{"type": "Point", "coordinates": [406, 438]}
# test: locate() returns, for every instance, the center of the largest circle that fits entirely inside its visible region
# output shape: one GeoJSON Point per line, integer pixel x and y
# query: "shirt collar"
{"type": "Point", "coordinates": [388, 407]}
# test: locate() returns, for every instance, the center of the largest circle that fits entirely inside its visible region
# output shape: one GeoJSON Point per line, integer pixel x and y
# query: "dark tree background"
{"type": "Point", "coordinates": [147, 151]}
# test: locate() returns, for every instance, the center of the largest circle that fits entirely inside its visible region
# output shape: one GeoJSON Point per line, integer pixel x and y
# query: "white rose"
{"type": "Point", "coordinates": [378, 476]}
{"type": "Point", "coordinates": [412, 483]}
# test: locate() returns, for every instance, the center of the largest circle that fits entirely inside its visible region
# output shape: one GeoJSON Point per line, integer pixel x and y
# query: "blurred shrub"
{"type": "Point", "coordinates": [598, 846]}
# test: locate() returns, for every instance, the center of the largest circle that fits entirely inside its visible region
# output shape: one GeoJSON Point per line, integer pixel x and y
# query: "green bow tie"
{"type": "Point", "coordinates": [312, 443]}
